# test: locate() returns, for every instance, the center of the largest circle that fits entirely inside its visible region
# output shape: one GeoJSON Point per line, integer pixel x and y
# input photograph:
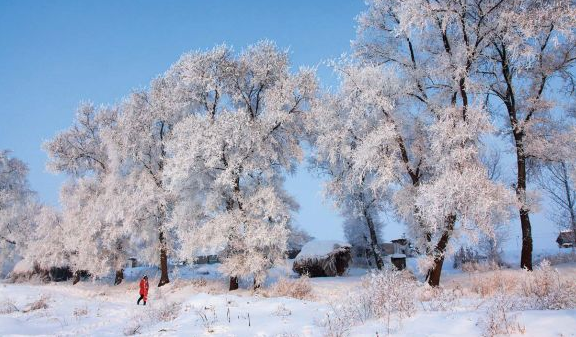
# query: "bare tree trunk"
{"type": "Point", "coordinates": [119, 277]}
{"type": "Point", "coordinates": [233, 283]}
{"type": "Point", "coordinates": [526, 256]}
{"type": "Point", "coordinates": [76, 277]}
{"type": "Point", "coordinates": [374, 241]}
{"type": "Point", "coordinates": [433, 275]}
{"type": "Point", "coordinates": [163, 261]}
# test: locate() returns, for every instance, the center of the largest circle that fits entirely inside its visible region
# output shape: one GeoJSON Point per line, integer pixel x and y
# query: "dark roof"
{"type": "Point", "coordinates": [401, 241]}
{"type": "Point", "coordinates": [566, 237]}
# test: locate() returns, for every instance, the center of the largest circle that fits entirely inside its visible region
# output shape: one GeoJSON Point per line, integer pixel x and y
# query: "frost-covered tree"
{"type": "Point", "coordinates": [94, 234]}
{"type": "Point", "coordinates": [145, 127]}
{"type": "Point", "coordinates": [336, 137]}
{"type": "Point", "coordinates": [46, 246]}
{"type": "Point", "coordinates": [230, 155]}
{"type": "Point", "coordinates": [430, 127]}
{"type": "Point", "coordinates": [529, 67]}
{"type": "Point", "coordinates": [18, 208]}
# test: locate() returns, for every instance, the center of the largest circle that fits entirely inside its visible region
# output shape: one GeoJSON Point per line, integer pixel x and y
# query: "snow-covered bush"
{"type": "Point", "coordinates": [80, 312]}
{"type": "Point", "coordinates": [336, 322]}
{"type": "Point", "coordinates": [282, 311]}
{"type": "Point", "coordinates": [391, 293]}
{"type": "Point", "coordinates": [438, 298]}
{"type": "Point", "coordinates": [299, 288]}
{"type": "Point", "coordinates": [40, 303]}
{"type": "Point", "coordinates": [7, 306]}
{"type": "Point", "coordinates": [387, 294]}
{"type": "Point", "coordinates": [546, 290]}
{"type": "Point", "coordinates": [167, 311]}
{"type": "Point", "coordinates": [133, 328]}
{"type": "Point", "coordinates": [498, 319]}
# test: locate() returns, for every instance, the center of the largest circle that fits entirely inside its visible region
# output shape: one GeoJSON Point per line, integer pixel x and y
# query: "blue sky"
{"type": "Point", "coordinates": [54, 54]}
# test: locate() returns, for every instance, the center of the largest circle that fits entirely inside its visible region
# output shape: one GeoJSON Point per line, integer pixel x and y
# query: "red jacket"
{"type": "Point", "coordinates": [143, 287]}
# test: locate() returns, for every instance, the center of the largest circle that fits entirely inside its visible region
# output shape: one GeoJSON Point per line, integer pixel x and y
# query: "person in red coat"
{"type": "Point", "coordinates": [143, 290]}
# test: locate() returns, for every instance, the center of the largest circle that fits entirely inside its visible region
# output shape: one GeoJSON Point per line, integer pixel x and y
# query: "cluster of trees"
{"type": "Point", "coordinates": [196, 162]}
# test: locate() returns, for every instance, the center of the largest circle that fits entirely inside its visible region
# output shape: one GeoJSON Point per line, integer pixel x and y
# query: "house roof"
{"type": "Point", "coordinates": [566, 236]}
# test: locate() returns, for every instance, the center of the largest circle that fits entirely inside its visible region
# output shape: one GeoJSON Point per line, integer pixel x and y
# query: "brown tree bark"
{"type": "Point", "coordinates": [526, 255]}
{"type": "Point", "coordinates": [374, 242]}
{"type": "Point", "coordinates": [434, 274]}
{"type": "Point", "coordinates": [233, 283]}
{"type": "Point", "coordinates": [163, 261]}
{"type": "Point", "coordinates": [119, 277]}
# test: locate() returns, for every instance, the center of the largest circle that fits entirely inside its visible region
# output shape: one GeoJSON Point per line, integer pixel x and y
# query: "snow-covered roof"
{"type": "Point", "coordinates": [397, 255]}
{"type": "Point", "coordinates": [320, 248]}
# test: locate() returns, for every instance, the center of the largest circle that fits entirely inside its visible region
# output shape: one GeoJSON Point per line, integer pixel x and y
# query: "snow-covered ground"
{"type": "Point", "coordinates": [196, 303]}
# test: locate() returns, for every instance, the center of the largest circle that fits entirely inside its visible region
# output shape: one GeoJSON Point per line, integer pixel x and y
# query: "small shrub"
{"type": "Point", "coordinates": [200, 282]}
{"type": "Point", "coordinates": [336, 323]}
{"type": "Point", "coordinates": [386, 294]}
{"type": "Point", "coordinates": [498, 319]}
{"type": "Point", "coordinates": [299, 288]}
{"type": "Point", "coordinates": [438, 298]}
{"type": "Point", "coordinates": [7, 306]}
{"type": "Point", "coordinates": [466, 256]}
{"type": "Point", "coordinates": [80, 312]}
{"type": "Point", "coordinates": [546, 290]}
{"type": "Point", "coordinates": [133, 328]}
{"type": "Point", "coordinates": [282, 311]}
{"type": "Point", "coordinates": [41, 303]}
{"type": "Point", "coordinates": [168, 311]}
{"type": "Point", "coordinates": [391, 293]}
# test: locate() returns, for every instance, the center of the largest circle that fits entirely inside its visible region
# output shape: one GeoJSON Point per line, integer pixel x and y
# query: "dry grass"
{"type": "Point", "coordinates": [557, 259]}
{"type": "Point", "coordinates": [298, 288]}
{"type": "Point", "coordinates": [39, 304]}
{"type": "Point", "coordinates": [474, 267]}
{"type": "Point", "coordinates": [7, 306]}
{"type": "Point", "coordinates": [488, 284]}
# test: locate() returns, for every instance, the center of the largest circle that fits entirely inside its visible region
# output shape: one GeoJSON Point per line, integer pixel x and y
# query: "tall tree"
{"type": "Point", "coordinates": [436, 50]}
{"type": "Point", "coordinates": [93, 235]}
{"type": "Point", "coordinates": [233, 150]}
{"type": "Point", "coordinates": [447, 181]}
{"type": "Point", "coordinates": [529, 65]}
{"type": "Point", "coordinates": [145, 127]}
{"type": "Point", "coordinates": [335, 137]}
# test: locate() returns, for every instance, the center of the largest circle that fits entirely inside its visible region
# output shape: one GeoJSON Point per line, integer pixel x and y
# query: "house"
{"type": "Point", "coordinates": [206, 259]}
{"type": "Point", "coordinates": [403, 246]}
{"type": "Point", "coordinates": [566, 238]}
{"type": "Point", "coordinates": [387, 248]}
{"type": "Point", "coordinates": [132, 262]}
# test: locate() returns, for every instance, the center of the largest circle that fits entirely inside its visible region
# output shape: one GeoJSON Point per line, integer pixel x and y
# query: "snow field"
{"type": "Point", "coordinates": [200, 305]}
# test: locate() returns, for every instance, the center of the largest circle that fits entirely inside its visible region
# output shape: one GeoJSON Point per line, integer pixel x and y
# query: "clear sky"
{"type": "Point", "coordinates": [54, 54]}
